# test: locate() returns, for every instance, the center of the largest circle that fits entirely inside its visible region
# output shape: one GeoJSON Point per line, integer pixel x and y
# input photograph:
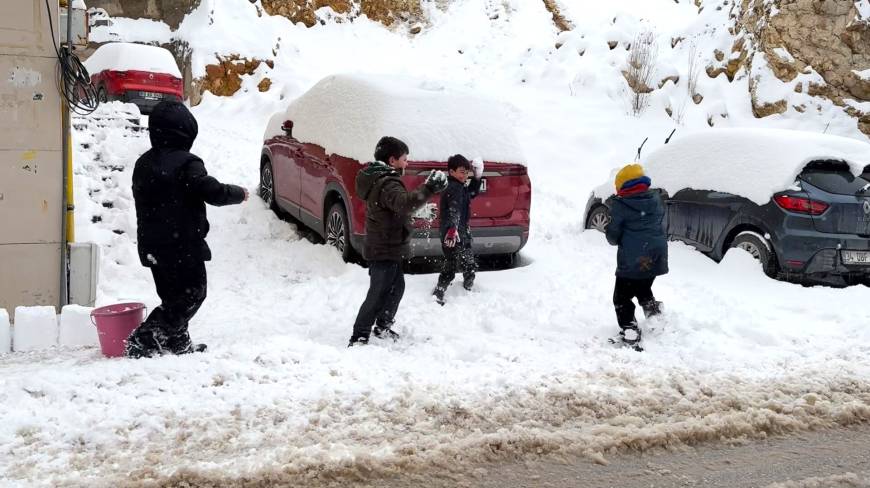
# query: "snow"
{"type": "Point", "coordinates": [5, 332]}
{"type": "Point", "coordinates": [518, 367]}
{"type": "Point", "coordinates": [35, 328]}
{"type": "Point", "coordinates": [864, 75]}
{"type": "Point", "coordinates": [76, 328]}
{"type": "Point", "coordinates": [754, 163]}
{"type": "Point", "coordinates": [863, 7]}
{"type": "Point", "coordinates": [348, 114]}
{"type": "Point", "coordinates": [124, 56]}
{"type": "Point", "coordinates": [79, 4]}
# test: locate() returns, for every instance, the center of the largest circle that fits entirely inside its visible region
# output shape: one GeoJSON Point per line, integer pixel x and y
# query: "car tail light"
{"type": "Point", "coordinates": [800, 205]}
{"type": "Point", "coordinates": [176, 82]}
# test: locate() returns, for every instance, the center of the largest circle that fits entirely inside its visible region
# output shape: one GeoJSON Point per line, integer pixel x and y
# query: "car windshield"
{"type": "Point", "coordinates": [834, 177]}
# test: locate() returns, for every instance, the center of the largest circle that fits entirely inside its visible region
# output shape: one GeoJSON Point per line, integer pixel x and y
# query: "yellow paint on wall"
{"type": "Point", "coordinates": [28, 155]}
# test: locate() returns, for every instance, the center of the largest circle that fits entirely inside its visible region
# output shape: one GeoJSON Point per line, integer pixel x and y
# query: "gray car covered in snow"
{"type": "Point", "coordinates": [798, 202]}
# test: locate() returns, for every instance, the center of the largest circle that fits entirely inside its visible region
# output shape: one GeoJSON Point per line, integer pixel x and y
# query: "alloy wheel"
{"type": "Point", "coordinates": [599, 221]}
{"type": "Point", "coordinates": [266, 184]}
{"type": "Point", "coordinates": [335, 233]}
{"type": "Point", "coordinates": [751, 248]}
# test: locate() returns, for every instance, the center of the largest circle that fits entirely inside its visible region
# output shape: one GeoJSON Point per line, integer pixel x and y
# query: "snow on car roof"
{"type": "Point", "coordinates": [348, 114]}
{"type": "Point", "coordinates": [753, 163]}
{"type": "Point", "coordinates": [126, 56]}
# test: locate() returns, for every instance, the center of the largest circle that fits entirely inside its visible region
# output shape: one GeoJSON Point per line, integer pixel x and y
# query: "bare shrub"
{"type": "Point", "coordinates": [694, 71]}
{"type": "Point", "coordinates": [639, 73]}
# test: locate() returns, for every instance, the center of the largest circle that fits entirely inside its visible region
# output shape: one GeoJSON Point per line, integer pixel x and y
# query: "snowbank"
{"type": "Point", "coordinates": [864, 75]}
{"type": "Point", "coordinates": [5, 332]}
{"type": "Point", "coordinates": [126, 56]}
{"type": "Point", "coordinates": [754, 163]}
{"type": "Point", "coordinates": [348, 114]}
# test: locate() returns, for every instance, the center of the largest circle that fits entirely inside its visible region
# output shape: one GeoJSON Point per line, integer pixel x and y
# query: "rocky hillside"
{"type": "Point", "coordinates": [816, 48]}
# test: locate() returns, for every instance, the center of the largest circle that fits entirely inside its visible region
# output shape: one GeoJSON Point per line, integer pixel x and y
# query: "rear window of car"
{"type": "Point", "coordinates": [833, 177]}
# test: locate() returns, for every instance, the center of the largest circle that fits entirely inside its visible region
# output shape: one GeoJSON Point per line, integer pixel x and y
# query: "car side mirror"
{"type": "Point", "coordinates": [287, 127]}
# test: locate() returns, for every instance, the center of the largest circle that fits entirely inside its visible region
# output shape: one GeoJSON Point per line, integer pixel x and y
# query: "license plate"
{"type": "Point", "coordinates": [482, 185]}
{"type": "Point", "coordinates": [151, 95]}
{"type": "Point", "coordinates": [855, 257]}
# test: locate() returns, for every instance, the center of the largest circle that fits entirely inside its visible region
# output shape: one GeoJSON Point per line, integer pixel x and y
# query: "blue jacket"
{"type": "Point", "coordinates": [637, 227]}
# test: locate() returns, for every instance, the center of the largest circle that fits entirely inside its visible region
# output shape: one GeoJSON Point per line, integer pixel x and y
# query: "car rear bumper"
{"type": "Point", "coordinates": [819, 258]}
{"type": "Point", "coordinates": [487, 240]}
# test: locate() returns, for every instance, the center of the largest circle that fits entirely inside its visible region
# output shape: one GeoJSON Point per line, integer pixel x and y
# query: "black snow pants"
{"type": "Point", "coordinates": [182, 289]}
{"type": "Point", "coordinates": [624, 291]}
{"type": "Point", "coordinates": [386, 288]}
{"type": "Point", "coordinates": [458, 258]}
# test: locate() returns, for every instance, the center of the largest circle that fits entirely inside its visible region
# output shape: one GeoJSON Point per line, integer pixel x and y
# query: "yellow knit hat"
{"type": "Point", "coordinates": [627, 173]}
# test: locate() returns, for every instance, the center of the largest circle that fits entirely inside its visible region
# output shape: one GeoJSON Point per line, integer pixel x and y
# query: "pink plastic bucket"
{"type": "Point", "coordinates": [114, 325]}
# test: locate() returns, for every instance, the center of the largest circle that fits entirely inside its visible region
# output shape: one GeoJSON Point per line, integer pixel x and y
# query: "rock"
{"type": "Point", "coordinates": [264, 85]}
{"type": "Point", "coordinates": [697, 98]}
{"type": "Point", "coordinates": [612, 44]}
{"type": "Point", "coordinates": [673, 78]}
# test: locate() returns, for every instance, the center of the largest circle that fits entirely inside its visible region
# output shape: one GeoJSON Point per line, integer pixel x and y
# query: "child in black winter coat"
{"type": "Point", "coordinates": [456, 238]}
{"type": "Point", "coordinates": [171, 188]}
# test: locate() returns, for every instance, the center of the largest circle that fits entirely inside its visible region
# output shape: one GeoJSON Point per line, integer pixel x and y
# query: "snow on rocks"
{"type": "Point", "coordinates": [35, 328]}
{"type": "Point", "coordinates": [76, 328]}
{"type": "Point", "coordinates": [5, 332]}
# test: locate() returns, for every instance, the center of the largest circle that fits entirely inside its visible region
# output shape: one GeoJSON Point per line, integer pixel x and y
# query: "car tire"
{"type": "Point", "coordinates": [267, 185]}
{"type": "Point", "coordinates": [336, 231]}
{"type": "Point", "coordinates": [759, 248]}
{"type": "Point", "coordinates": [598, 218]}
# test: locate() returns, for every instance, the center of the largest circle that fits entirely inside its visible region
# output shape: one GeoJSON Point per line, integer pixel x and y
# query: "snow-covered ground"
{"type": "Point", "coordinates": [518, 366]}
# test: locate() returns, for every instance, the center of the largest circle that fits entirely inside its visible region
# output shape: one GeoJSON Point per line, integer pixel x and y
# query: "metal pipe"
{"type": "Point", "coordinates": [66, 155]}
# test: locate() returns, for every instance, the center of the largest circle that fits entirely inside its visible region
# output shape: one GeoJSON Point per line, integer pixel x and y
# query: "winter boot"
{"type": "Point", "coordinates": [468, 282]}
{"type": "Point", "coordinates": [358, 341]}
{"type": "Point", "coordinates": [386, 332]}
{"type": "Point", "coordinates": [652, 308]}
{"type": "Point", "coordinates": [438, 293]}
{"type": "Point", "coordinates": [629, 336]}
{"type": "Point", "coordinates": [142, 343]}
{"type": "Point", "coordinates": [180, 343]}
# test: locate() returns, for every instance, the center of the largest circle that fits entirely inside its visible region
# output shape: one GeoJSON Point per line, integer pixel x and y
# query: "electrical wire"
{"type": "Point", "coordinates": [74, 81]}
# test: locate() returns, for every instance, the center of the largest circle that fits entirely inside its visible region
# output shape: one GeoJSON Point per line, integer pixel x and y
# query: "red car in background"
{"type": "Point", "coordinates": [135, 73]}
{"type": "Point", "coordinates": [348, 114]}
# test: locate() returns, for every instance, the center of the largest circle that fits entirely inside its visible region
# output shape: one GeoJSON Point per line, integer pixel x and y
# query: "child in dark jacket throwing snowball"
{"type": "Point", "coordinates": [636, 226]}
{"type": "Point", "coordinates": [456, 238]}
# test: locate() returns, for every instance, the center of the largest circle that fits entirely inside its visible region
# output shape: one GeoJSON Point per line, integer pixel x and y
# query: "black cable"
{"type": "Point", "coordinates": [74, 80]}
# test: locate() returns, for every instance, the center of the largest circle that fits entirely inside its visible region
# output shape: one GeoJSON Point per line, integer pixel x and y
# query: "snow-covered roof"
{"type": "Point", "coordinates": [126, 56]}
{"type": "Point", "coordinates": [348, 114]}
{"type": "Point", "coordinates": [753, 163]}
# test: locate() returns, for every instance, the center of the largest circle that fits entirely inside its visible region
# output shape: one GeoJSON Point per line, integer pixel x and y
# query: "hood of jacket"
{"type": "Point", "coordinates": [172, 126]}
{"type": "Point", "coordinates": [646, 202]}
{"type": "Point", "coordinates": [368, 176]}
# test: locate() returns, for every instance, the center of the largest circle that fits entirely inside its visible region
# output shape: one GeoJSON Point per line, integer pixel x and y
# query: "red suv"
{"type": "Point", "coordinates": [313, 152]}
{"type": "Point", "coordinates": [135, 73]}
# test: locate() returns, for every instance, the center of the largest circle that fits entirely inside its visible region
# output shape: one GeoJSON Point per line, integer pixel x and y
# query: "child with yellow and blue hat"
{"type": "Point", "coordinates": [637, 227]}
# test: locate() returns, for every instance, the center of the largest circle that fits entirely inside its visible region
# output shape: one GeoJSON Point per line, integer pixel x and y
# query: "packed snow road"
{"type": "Point", "coordinates": [519, 366]}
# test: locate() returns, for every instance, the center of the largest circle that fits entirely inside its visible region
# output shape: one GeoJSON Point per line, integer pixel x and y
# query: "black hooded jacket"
{"type": "Point", "coordinates": [171, 188]}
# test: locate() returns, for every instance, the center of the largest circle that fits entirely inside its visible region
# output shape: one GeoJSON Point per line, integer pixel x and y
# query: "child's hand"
{"type": "Point", "coordinates": [451, 238]}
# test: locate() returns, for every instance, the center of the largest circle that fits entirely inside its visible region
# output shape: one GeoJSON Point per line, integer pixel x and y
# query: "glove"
{"type": "Point", "coordinates": [452, 237]}
{"type": "Point", "coordinates": [477, 165]}
{"type": "Point", "coordinates": [436, 182]}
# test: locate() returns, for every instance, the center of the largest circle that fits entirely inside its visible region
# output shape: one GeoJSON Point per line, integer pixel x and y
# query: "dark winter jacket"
{"type": "Point", "coordinates": [456, 205]}
{"type": "Point", "coordinates": [637, 227]}
{"type": "Point", "coordinates": [171, 188]}
{"type": "Point", "coordinates": [389, 206]}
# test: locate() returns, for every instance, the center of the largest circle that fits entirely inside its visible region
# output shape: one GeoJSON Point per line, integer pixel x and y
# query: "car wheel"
{"type": "Point", "coordinates": [759, 248]}
{"type": "Point", "coordinates": [102, 96]}
{"type": "Point", "coordinates": [267, 185]}
{"type": "Point", "coordinates": [338, 231]}
{"type": "Point", "coordinates": [598, 218]}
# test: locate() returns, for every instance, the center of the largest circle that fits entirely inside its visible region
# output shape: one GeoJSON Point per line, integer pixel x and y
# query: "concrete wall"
{"type": "Point", "coordinates": [169, 11]}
